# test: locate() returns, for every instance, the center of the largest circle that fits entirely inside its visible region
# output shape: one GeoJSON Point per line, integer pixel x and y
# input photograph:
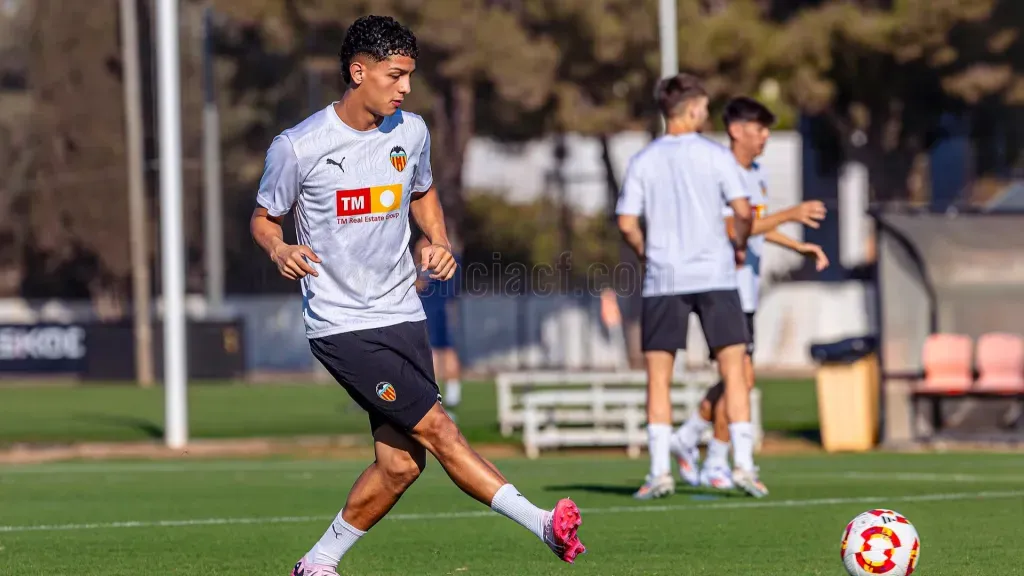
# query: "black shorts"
{"type": "Point", "coordinates": [750, 330]}
{"type": "Point", "coordinates": [388, 371]}
{"type": "Point", "coordinates": [666, 318]}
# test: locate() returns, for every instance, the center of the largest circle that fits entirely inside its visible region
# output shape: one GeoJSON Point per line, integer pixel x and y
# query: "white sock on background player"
{"type": "Point", "coordinates": [334, 543]}
{"type": "Point", "coordinates": [742, 434]}
{"type": "Point", "coordinates": [658, 436]}
{"type": "Point", "coordinates": [718, 454]}
{"type": "Point", "coordinates": [452, 392]}
{"type": "Point", "coordinates": [510, 503]}
{"type": "Point", "coordinates": [690, 432]}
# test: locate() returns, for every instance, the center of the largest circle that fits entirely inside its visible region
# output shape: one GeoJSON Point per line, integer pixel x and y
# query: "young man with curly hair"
{"type": "Point", "coordinates": [354, 173]}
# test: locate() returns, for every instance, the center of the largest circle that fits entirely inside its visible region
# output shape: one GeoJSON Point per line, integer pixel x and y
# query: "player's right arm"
{"type": "Point", "coordinates": [807, 213]}
{"type": "Point", "coordinates": [279, 189]}
{"type": "Point", "coordinates": [629, 209]}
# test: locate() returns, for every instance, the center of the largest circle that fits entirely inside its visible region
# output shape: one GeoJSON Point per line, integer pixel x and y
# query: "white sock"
{"type": "Point", "coordinates": [689, 433]}
{"type": "Point", "coordinates": [658, 436]}
{"type": "Point", "coordinates": [334, 543]}
{"type": "Point", "coordinates": [509, 502]}
{"type": "Point", "coordinates": [718, 454]}
{"type": "Point", "coordinates": [742, 445]}
{"type": "Point", "coordinates": [452, 392]}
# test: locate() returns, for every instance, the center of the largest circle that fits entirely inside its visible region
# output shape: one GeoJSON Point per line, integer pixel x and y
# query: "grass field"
{"type": "Point", "coordinates": [257, 516]}
{"type": "Point", "coordinates": [119, 412]}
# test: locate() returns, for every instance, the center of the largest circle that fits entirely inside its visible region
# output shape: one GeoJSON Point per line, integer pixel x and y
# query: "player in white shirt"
{"type": "Point", "coordinates": [352, 174]}
{"type": "Point", "coordinates": [748, 123]}
{"type": "Point", "coordinates": [678, 184]}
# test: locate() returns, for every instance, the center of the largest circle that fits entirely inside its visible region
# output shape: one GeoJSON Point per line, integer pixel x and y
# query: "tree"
{"type": "Point", "coordinates": [75, 246]}
{"type": "Point", "coordinates": [15, 154]}
{"type": "Point", "coordinates": [882, 78]}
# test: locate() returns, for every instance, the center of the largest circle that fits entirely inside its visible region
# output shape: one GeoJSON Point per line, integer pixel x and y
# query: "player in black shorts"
{"type": "Point", "coordinates": [748, 123]}
{"type": "Point", "coordinates": [354, 173]}
{"type": "Point", "coordinates": [678, 184]}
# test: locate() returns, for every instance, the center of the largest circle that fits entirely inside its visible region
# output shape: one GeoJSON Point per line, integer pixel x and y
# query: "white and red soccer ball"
{"type": "Point", "coordinates": [880, 542]}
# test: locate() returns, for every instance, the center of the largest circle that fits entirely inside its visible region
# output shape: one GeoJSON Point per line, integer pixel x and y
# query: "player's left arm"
{"type": "Point", "coordinates": [428, 215]}
{"type": "Point", "coordinates": [425, 209]}
{"type": "Point", "coordinates": [805, 248]}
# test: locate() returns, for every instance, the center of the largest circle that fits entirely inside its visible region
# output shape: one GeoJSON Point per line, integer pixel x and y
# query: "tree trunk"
{"type": "Point", "coordinates": [627, 280]}
{"type": "Point", "coordinates": [453, 129]}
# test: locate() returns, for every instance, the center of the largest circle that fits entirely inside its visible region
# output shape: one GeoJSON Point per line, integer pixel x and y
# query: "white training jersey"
{"type": "Point", "coordinates": [350, 191]}
{"type": "Point", "coordinates": [678, 183]}
{"type": "Point", "coordinates": [748, 277]}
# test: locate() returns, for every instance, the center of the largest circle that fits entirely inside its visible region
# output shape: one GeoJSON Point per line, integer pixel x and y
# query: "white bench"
{"type": "Point", "coordinates": [600, 417]}
{"type": "Point", "coordinates": [510, 388]}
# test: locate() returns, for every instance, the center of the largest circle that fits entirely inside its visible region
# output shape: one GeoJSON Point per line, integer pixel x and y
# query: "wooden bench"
{"type": "Point", "coordinates": [510, 387]}
{"type": "Point", "coordinates": [596, 417]}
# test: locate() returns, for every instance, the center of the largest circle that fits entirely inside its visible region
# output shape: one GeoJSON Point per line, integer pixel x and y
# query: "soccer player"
{"type": "Point", "coordinates": [678, 183]}
{"type": "Point", "coordinates": [354, 173]}
{"type": "Point", "coordinates": [748, 123]}
{"type": "Point", "coordinates": [438, 299]}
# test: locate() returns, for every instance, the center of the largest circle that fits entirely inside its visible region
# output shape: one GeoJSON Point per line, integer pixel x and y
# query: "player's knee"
{"type": "Point", "coordinates": [440, 432]}
{"type": "Point", "coordinates": [706, 410]}
{"type": "Point", "coordinates": [400, 473]}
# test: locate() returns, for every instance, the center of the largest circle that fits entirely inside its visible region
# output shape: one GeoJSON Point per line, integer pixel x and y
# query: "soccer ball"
{"type": "Point", "coordinates": [880, 542]}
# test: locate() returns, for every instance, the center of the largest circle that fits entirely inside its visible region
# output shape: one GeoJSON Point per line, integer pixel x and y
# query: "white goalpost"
{"type": "Point", "coordinates": [171, 228]}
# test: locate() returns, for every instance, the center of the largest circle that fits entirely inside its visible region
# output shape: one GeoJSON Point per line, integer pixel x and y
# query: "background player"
{"type": "Point", "coordinates": [355, 172]}
{"type": "Point", "coordinates": [678, 183]}
{"type": "Point", "coordinates": [748, 123]}
{"type": "Point", "coordinates": [439, 302]}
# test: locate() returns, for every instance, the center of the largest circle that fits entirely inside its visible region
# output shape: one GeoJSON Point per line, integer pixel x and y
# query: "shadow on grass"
{"type": "Point", "coordinates": [811, 434]}
{"type": "Point", "coordinates": [149, 429]}
{"type": "Point", "coordinates": [629, 490]}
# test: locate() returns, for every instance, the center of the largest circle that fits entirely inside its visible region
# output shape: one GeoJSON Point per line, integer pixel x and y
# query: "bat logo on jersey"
{"type": "Point", "coordinates": [360, 205]}
{"type": "Point", "coordinates": [386, 392]}
{"type": "Point", "coordinates": [398, 158]}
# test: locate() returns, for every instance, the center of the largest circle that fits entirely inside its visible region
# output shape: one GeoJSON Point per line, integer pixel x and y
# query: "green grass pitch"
{"type": "Point", "coordinates": [257, 516]}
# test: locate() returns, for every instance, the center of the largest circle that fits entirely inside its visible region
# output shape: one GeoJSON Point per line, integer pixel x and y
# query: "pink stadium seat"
{"type": "Point", "coordinates": [1000, 360]}
{"type": "Point", "coordinates": [947, 364]}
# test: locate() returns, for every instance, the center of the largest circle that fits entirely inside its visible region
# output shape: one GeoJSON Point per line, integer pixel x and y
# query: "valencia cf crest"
{"type": "Point", "coordinates": [398, 158]}
{"type": "Point", "coordinates": [385, 391]}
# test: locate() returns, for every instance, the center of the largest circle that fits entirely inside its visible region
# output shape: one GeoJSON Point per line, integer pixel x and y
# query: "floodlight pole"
{"type": "Point", "coordinates": [213, 203]}
{"type": "Point", "coordinates": [137, 218]}
{"type": "Point", "coordinates": [668, 28]}
{"type": "Point", "coordinates": [171, 227]}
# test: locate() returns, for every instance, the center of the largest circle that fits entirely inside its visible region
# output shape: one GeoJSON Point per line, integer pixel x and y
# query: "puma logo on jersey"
{"type": "Point", "coordinates": [338, 164]}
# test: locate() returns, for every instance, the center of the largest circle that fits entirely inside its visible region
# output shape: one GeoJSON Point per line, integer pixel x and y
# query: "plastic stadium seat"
{"type": "Point", "coordinates": [947, 364]}
{"type": "Point", "coordinates": [1000, 359]}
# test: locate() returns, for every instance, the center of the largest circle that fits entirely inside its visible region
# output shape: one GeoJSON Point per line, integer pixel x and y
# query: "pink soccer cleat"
{"type": "Point", "coordinates": [560, 534]}
{"type": "Point", "coordinates": [303, 568]}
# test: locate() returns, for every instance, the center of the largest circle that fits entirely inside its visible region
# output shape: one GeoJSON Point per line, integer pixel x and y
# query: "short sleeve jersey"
{"type": "Point", "coordinates": [350, 192]}
{"type": "Point", "coordinates": [678, 184]}
{"type": "Point", "coordinates": [748, 277]}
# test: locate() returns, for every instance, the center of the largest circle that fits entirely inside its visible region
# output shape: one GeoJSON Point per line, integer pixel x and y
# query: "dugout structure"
{"type": "Point", "coordinates": [960, 273]}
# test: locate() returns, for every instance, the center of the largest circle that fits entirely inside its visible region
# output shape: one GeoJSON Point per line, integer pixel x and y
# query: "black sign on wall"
{"type": "Point", "coordinates": [42, 348]}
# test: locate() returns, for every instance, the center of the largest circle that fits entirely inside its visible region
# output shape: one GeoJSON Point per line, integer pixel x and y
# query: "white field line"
{"type": "Point", "coordinates": [886, 501]}
{"type": "Point", "coordinates": [306, 466]}
{"type": "Point", "coordinates": [918, 476]}
{"type": "Point", "coordinates": [314, 466]}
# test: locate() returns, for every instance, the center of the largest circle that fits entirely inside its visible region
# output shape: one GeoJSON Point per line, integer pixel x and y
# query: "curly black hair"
{"type": "Point", "coordinates": [745, 109]}
{"type": "Point", "coordinates": [377, 37]}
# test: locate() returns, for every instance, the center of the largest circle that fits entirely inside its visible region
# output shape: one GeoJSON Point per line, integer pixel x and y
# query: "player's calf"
{"type": "Point", "coordinates": [480, 479]}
